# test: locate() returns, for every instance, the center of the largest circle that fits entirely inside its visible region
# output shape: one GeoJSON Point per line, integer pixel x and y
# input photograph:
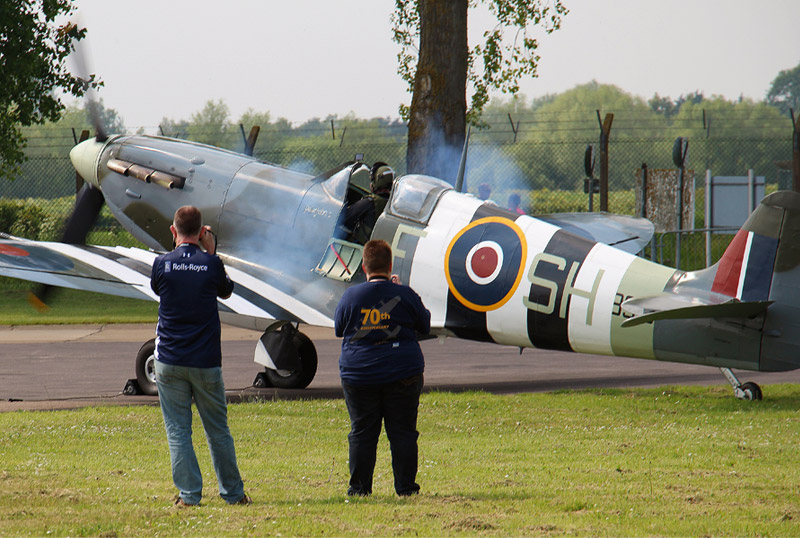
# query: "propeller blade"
{"type": "Point", "coordinates": [39, 297]}
{"type": "Point", "coordinates": [80, 61]}
{"type": "Point", "coordinates": [87, 208]}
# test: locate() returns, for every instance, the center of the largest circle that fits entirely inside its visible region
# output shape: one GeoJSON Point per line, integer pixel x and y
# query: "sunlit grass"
{"type": "Point", "coordinates": [655, 462]}
{"type": "Point", "coordinates": [73, 306]}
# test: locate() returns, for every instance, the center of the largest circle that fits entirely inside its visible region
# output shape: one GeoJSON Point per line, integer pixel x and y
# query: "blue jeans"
{"type": "Point", "coordinates": [176, 387]}
{"type": "Point", "coordinates": [395, 405]}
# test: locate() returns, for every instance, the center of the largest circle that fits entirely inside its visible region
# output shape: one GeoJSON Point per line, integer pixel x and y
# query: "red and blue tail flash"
{"type": "Point", "coordinates": [745, 270]}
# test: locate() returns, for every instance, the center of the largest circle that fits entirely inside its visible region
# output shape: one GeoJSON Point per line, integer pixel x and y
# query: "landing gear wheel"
{"type": "Point", "coordinates": [300, 378]}
{"type": "Point", "coordinates": [146, 368]}
{"type": "Point", "coordinates": [751, 391]}
{"type": "Point", "coordinates": [744, 391]}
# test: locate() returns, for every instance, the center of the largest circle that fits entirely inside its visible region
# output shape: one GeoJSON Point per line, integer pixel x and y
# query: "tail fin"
{"type": "Point", "coordinates": [767, 243]}
{"type": "Point", "coordinates": [763, 263]}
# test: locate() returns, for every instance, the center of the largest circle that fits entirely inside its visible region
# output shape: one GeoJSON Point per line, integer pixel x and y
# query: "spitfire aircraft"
{"type": "Point", "coordinates": [564, 282]}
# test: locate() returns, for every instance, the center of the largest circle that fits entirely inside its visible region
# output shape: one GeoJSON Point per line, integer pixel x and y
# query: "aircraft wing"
{"type": "Point", "coordinates": [630, 234]}
{"type": "Point", "coordinates": [125, 272]}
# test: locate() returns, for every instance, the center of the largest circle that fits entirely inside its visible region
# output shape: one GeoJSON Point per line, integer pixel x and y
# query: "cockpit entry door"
{"type": "Point", "coordinates": [341, 260]}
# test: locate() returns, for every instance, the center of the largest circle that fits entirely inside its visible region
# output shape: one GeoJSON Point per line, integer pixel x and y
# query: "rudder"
{"type": "Point", "coordinates": [764, 262]}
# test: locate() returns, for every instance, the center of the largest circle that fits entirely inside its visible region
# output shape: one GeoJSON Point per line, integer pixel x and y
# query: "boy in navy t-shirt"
{"type": "Point", "coordinates": [381, 367]}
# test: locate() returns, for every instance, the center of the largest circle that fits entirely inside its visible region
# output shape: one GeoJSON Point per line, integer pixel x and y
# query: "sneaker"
{"type": "Point", "coordinates": [352, 492]}
{"type": "Point", "coordinates": [244, 500]}
{"type": "Point", "coordinates": [180, 503]}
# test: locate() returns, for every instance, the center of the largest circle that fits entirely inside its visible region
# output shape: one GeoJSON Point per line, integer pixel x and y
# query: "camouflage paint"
{"type": "Point", "coordinates": [642, 279]}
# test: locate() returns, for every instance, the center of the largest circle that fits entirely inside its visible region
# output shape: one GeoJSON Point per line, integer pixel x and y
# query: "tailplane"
{"type": "Point", "coordinates": [758, 275]}
{"type": "Point", "coordinates": [762, 263]}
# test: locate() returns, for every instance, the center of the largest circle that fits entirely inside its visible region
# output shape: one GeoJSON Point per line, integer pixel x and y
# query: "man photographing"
{"type": "Point", "coordinates": [189, 357]}
{"type": "Point", "coordinates": [381, 367]}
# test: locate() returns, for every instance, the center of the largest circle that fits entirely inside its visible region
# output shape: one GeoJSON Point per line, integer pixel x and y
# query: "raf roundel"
{"type": "Point", "coordinates": [484, 263]}
{"type": "Point", "coordinates": [33, 258]}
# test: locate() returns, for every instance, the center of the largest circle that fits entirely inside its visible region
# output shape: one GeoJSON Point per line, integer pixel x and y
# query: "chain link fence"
{"type": "Point", "coordinates": [548, 174]}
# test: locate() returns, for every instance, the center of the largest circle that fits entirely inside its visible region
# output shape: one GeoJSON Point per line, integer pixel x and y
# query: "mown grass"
{"type": "Point", "coordinates": [73, 306]}
{"type": "Point", "coordinates": [686, 461]}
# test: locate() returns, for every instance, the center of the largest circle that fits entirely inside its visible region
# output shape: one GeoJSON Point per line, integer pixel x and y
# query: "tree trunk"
{"type": "Point", "coordinates": [439, 104]}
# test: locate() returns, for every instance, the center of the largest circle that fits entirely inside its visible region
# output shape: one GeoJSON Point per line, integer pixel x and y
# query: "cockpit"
{"type": "Point", "coordinates": [369, 196]}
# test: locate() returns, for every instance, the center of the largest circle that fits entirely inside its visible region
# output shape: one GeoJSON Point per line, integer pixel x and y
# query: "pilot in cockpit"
{"type": "Point", "coordinates": [361, 215]}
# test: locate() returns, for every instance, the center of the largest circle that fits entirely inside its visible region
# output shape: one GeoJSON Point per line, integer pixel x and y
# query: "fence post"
{"type": "Point", "coordinates": [751, 194]}
{"type": "Point", "coordinates": [643, 206]}
{"type": "Point", "coordinates": [590, 184]}
{"type": "Point", "coordinates": [708, 217]}
{"type": "Point", "coordinates": [250, 141]}
{"type": "Point", "coordinates": [680, 150]}
{"type": "Point", "coordinates": [605, 130]}
{"type": "Point", "coordinates": [514, 129]}
{"type": "Point", "coordinates": [795, 152]}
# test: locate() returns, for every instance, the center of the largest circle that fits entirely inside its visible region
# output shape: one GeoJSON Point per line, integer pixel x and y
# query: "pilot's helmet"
{"type": "Point", "coordinates": [382, 177]}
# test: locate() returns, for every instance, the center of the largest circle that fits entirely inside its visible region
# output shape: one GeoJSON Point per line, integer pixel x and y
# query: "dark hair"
{"type": "Point", "coordinates": [377, 257]}
{"type": "Point", "coordinates": [188, 220]}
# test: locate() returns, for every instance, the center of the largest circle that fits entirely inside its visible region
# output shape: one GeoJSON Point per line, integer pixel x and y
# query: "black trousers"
{"type": "Point", "coordinates": [395, 404]}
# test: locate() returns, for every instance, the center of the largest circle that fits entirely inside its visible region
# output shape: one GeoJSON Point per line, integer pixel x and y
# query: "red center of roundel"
{"type": "Point", "coordinates": [12, 251]}
{"type": "Point", "coordinates": [484, 262]}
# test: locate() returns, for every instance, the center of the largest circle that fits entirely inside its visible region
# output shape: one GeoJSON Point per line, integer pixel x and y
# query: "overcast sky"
{"type": "Point", "coordinates": [301, 59]}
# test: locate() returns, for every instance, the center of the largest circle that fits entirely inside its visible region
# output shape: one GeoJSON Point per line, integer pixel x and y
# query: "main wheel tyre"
{"type": "Point", "coordinates": [146, 368]}
{"type": "Point", "coordinates": [751, 391]}
{"type": "Point", "coordinates": [300, 378]}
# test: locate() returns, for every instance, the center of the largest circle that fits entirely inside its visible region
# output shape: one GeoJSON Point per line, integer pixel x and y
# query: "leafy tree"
{"type": "Point", "coordinates": [53, 137]}
{"type": "Point", "coordinates": [669, 108]}
{"type": "Point", "coordinates": [784, 92]}
{"type": "Point", "coordinates": [560, 130]}
{"type": "Point", "coordinates": [437, 63]}
{"type": "Point", "coordinates": [211, 125]}
{"type": "Point", "coordinates": [173, 128]}
{"type": "Point", "coordinates": [737, 136]}
{"type": "Point", "coordinates": [33, 52]}
{"type": "Point", "coordinates": [663, 105]}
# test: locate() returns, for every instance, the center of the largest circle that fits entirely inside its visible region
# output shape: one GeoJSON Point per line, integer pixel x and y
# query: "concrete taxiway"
{"type": "Point", "coordinates": [69, 366]}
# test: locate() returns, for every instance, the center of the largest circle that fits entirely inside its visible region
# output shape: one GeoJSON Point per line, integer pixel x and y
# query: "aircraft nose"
{"type": "Point", "coordinates": [85, 158]}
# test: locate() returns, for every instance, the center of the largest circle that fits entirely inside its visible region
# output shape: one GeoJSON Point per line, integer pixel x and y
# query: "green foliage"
{"type": "Point", "coordinates": [34, 46]}
{"type": "Point", "coordinates": [8, 213]}
{"type": "Point", "coordinates": [67, 306]}
{"type": "Point", "coordinates": [502, 59]}
{"type": "Point", "coordinates": [28, 220]}
{"type": "Point", "coordinates": [211, 124]}
{"type": "Point", "coordinates": [709, 137]}
{"type": "Point", "coordinates": [669, 108]}
{"type": "Point", "coordinates": [784, 92]}
{"type": "Point", "coordinates": [43, 220]}
{"type": "Point", "coordinates": [56, 138]}
{"type": "Point", "coordinates": [21, 218]}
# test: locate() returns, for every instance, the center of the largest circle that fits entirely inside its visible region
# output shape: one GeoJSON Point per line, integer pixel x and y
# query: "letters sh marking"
{"type": "Point", "coordinates": [569, 289]}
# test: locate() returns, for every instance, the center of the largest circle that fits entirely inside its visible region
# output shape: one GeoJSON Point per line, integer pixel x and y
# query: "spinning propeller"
{"type": "Point", "coordinates": [89, 200]}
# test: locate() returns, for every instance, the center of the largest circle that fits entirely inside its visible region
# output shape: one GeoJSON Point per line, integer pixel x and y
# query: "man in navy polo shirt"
{"type": "Point", "coordinates": [381, 368]}
{"type": "Point", "coordinates": [189, 357]}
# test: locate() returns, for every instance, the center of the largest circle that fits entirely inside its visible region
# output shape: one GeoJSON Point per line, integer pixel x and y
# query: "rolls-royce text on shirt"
{"type": "Point", "coordinates": [189, 280]}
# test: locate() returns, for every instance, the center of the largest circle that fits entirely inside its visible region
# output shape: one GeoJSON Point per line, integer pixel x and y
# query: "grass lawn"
{"type": "Point", "coordinates": [688, 461]}
{"type": "Point", "coordinates": [73, 306]}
